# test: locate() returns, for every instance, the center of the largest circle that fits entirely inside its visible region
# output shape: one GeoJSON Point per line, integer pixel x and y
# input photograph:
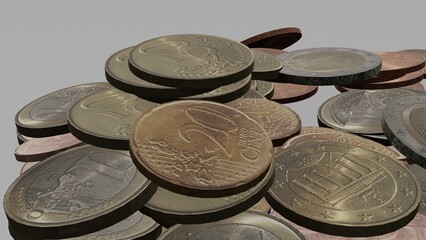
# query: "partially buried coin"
{"type": "Point", "coordinates": [265, 88]}
{"type": "Point", "coordinates": [266, 67]}
{"type": "Point", "coordinates": [247, 225]}
{"type": "Point", "coordinates": [275, 39]}
{"type": "Point", "coordinates": [47, 115]}
{"type": "Point", "coordinates": [397, 64]}
{"type": "Point", "coordinates": [261, 206]}
{"type": "Point", "coordinates": [421, 52]}
{"type": "Point", "coordinates": [288, 92]}
{"type": "Point", "coordinates": [22, 138]}
{"type": "Point", "coordinates": [27, 166]}
{"type": "Point", "coordinates": [207, 146]}
{"type": "Point", "coordinates": [64, 196]}
{"type": "Point", "coordinates": [104, 119]}
{"type": "Point", "coordinates": [343, 190]}
{"type": "Point", "coordinates": [417, 86]}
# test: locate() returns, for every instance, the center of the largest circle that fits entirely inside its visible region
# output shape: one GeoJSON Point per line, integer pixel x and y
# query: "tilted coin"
{"type": "Point", "coordinates": [104, 119]}
{"type": "Point", "coordinates": [420, 174]}
{"type": "Point", "coordinates": [421, 52]}
{"type": "Point", "coordinates": [276, 39]}
{"type": "Point", "coordinates": [207, 146]}
{"type": "Point", "coordinates": [38, 149]}
{"type": "Point", "coordinates": [328, 66]}
{"type": "Point", "coordinates": [265, 88]}
{"type": "Point", "coordinates": [404, 125]}
{"type": "Point", "coordinates": [170, 208]}
{"type": "Point", "coordinates": [288, 92]}
{"type": "Point", "coordinates": [261, 206]}
{"type": "Point", "coordinates": [266, 67]}
{"type": "Point", "coordinates": [358, 111]}
{"type": "Point", "coordinates": [47, 115]}
{"type": "Point", "coordinates": [246, 225]}
{"type": "Point", "coordinates": [400, 63]}
{"type": "Point", "coordinates": [417, 86]}
{"type": "Point", "coordinates": [406, 80]}
{"type": "Point", "coordinates": [64, 196]}
{"type": "Point", "coordinates": [192, 61]}
{"type": "Point", "coordinates": [342, 189]}
{"type": "Point", "coordinates": [279, 121]}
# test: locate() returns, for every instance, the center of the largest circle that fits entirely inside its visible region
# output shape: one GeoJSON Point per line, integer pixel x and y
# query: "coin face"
{"type": "Point", "coordinates": [358, 111]}
{"type": "Point", "coordinates": [328, 66]}
{"type": "Point", "coordinates": [383, 83]}
{"type": "Point", "coordinates": [266, 67]}
{"type": "Point", "coordinates": [47, 115]}
{"type": "Point", "coordinates": [279, 121]}
{"type": "Point", "coordinates": [400, 63]}
{"type": "Point", "coordinates": [275, 39]}
{"type": "Point", "coordinates": [104, 119]}
{"type": "Point", "coordinates": [207, 146]}
{"type": "Point", "coordinates": [265, 88]}
{"type": "Point", "coordinates": [191, 61]}
{"type": "Point", "coordinates": [288, 92]}
{"type": "Point", "coordinates": [68, 190]}
{"type": "Point", "coordinates": [404, 125]}
{"type": "Point", "coordinates": [247, 225]}
{"type": "Point", "coordinates": [339, 189]}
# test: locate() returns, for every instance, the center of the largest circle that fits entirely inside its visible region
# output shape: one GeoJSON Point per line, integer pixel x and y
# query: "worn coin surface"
{"type": "Point", "coordinates": [396, 64]}
{"type": "Point", "coordinates": [275, 39]}
{"type": "Point", "coordinates": [104, 119]}
{"type": "Point", "coordinates": [265, 88]}
{"type": "Point", "coordinates": [404, 125]}
{"type": "Point", "coordinates": [64, 196]}
{"type": "Point", "coordinates": [417, 86]}
{"type": "Point", "coordinates": [328, 66]}
{"type": "Point", "coordinates": [288, 92]}
{"type": "Point", "coordinates": [279, 121]}
{"type": "Point", "coordinates": [47, 115]}
{"type": "Point", "coordinates": [266, 67]}
{"type": "Point", "coordinates": [406, 80]}
{"type": "Point", "coordinates": [421, 52]}
{"type": "Point", "coordinates": [191, 61]}
{"type": "Point", "coordinates": [342, 189]}
{"type": "Point", "coordinates": [206, 146]}
{"type": "Point", "coordinates": [246, 225]}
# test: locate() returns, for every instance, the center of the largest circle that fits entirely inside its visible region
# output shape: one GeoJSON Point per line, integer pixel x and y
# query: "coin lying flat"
{"type": "Point", "coordinates": [266, 67]}
{"type": "Point", "coordinates": [275, 39]}
{"type": "Point", "coordinates": [64, 196]}
{"type": "Point", "coordinates": [406, 80]}
{"type": "Point", "coordinates": [39, 149]}
{"type": "Point", "coordinates": [400, 63]}
{"type": "Point", "coordinates": [358, 111]}
{"type": "Point", "coordinates": [342, 189]}
{"type": "Point", "coordinates": [404, 125]}
{"type": "Point", "coordinates": [47, 115]}
{"type": "Point", "coordinates": [191, 61]}
{"type": "Point", "coordinates": [417, 86]}
{"type": "Point", "coordinates": [421, 52]}
{"type": "Point", "coordinates": [170, 208]}
{"type": "Point", "coordinates": [279, 121]}
{"type": "Point", "coordinates": [104, 119]}
{"type": "Point", "coordinates": [288, 92]}
{"type": "Point", "coordinates": [265, 88]}
{"type": "Point", "coordinates": [247, 225]}
{"type": "Point", "coordinates": [328, 66]}
{"type": "Point", "coordinates": [207, 146]}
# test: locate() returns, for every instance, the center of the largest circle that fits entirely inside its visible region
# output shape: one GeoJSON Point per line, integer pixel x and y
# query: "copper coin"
{"type": "Point", "coordinates": [421, 52]}
{"type": "Point", "coordinates": [27, 166]}
{"type": "Point", "coordinates": [406, 80]}
{"type": "Point", "coordinates": [288, 92]}
{"type": "Point", "coordinates": [279, 121]}
{"type": "Point", "coordinates": [396, 64]}
{"type": "Point", "coordinates": [39, 149]}
{"type": "Point", "coordinates": [414, 230]}
{"type": "Point", "coordinates": [276, 39]}
{"type": "Point", "coordinates": [417, 86]}
{"type": "Point", "coordinates": [200, 148]}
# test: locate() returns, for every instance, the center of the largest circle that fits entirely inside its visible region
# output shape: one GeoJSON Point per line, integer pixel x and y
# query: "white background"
{"type": "Point", "coordinates": [50, 45]}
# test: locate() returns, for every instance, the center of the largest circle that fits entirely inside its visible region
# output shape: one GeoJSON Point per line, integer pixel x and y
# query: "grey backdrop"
{"type": "Point", "coordinates": [49, 45]}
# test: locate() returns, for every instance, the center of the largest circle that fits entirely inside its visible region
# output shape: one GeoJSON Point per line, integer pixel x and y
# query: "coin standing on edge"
{"type": "Point", "coordinates": [275, 39]}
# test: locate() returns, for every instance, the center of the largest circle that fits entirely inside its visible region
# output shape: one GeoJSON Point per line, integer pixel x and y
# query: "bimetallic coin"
{"type": "Point", "coordinates": [39, 149]}
{"type": "Point", "coordinates": [328, 66]}
{"type": "Point", "coordinates": [342, 189]}
{"type": "Point", "coordinates": [396, 64]}
{"type": "Point", "coordinates": [288, 92]}
{"type": "Point", "coordinates": [247, 225]}
{"type": "Point", "coordinates": [104, 119]}
{"type": "Point", "coordinates": [265, 88]}
{"type": "Point", "coordinates": [266, 67]}
{"type": "Point", "coordinates": [279, 121]}
{"type": "Point", "coordinates": [404, 125]}
{"type": "Point", "coordinates": [358, 111]}
{"type": "Point", "coordinates": [64, 196]}
{"type": "Point", "coordinates": [420, 174]}
{"type": "Point", "coordinates": [417, 86]}
{"type": "Point", "coordinates": [47, 115]}
{"type": "Point", "coordinates": [406, 80]}
{"type": "Point", "coordinates": [421, 52]}
{"type": "Point", "coordinates": [191, 61]}
{"type": "Point", "coordinates": [261, 206]}
{"type": "Point", "coordinates": [206, 146]}
{"type": "Point", "coordinates": [275, 39]}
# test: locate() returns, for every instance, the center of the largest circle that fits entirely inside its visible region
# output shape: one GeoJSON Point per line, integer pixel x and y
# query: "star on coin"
{"type": "Point", "coordinates": [293, 153]}
{"type": "Point", "coordinates": [407, 192]}
{"type": "Point", "coordinates": [295, 202]}
{"type": "Point", "coordinates": [402, 174]}
{"type": "Point", "coordinates": [380, 158]}
{"type": "Point", "coordinates": [320, 147]}
{"type": "Point", "coordinates": [395, 208]}
{"type": "Point", "coordinates": [366, 217]}
{"type": "Point", "coordinates": [326, 215]}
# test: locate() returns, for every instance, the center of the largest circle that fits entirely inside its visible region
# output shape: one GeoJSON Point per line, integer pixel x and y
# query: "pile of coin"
{"type": "Point", "coordinates": [183, 143]}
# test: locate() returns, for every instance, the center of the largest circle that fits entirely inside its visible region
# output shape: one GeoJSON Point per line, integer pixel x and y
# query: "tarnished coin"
{"type": "Point", "coordinates": [275, 39]}
{"type": "Point", "coordinates": [191, 61]}
{"type": "Point", "coordinates": [279, 121]}
{"type": "Point", "coordinates": [328, 66]}
{"type": "Point", "coordinates": [358, 111]}
{"type": "Point", "coordinates": [27, 166]}
{"type": "Point", "coordinates": [421, 52]}
{"type": "Point", "coordinates": [261, 206]}
{"type": "Point", "coordinates": [404, 124]}
{"type": "Point", "coordinates": [104, 119]}
{"type": "Point", "coordinates": [206, 146]}
{"type": "Point", "coordinates": [247, 225]}
{"type": "Point", "coordinates": [417, 86]}
{"type": "Point", "coordinates": [420, 174]}
{"type": "Point", "coordinates": [266, 67]}
{"type": "Point", "coordinates": [265, 88]}
{"type": "Point", "coordinates": [47, 115]}
{"type": "Point", "coordinates": [396, 64]}
{"type": "Point", "coordinates": [253, 84]}
{"type": "Point", "coordinates": [342, 189]}
{"type": "Point", "coordinates": [64, 196]}
{"type": "Point", "coordinates": [288, 92]}
{"type": "Point", "coordinates": [39, 149]}
{"type": "Point", "coordinates": [170, 208]}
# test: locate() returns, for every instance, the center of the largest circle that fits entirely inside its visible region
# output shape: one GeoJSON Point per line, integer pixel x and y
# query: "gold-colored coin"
{"type": "Point", "coordinates": [261, 206]}
{"type": "Point", "coordinates": [266, 67]}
